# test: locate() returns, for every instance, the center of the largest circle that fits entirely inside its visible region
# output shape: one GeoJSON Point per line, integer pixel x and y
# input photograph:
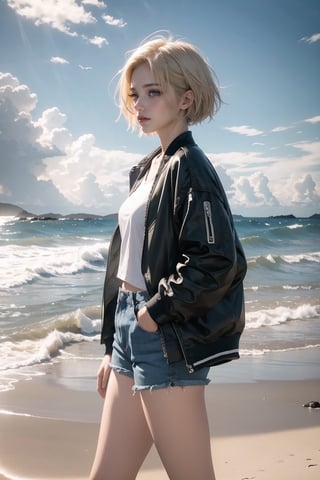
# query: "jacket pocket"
{"type": "Point", "coordinates": [208, 221]}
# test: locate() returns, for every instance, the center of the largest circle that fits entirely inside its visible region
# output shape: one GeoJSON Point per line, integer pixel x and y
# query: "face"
{"type": "Point", "coordinates": [158, 111]}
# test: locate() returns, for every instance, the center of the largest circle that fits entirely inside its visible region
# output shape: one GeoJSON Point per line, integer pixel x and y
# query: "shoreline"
{"type": "Point", "coordinates": [259, 427]}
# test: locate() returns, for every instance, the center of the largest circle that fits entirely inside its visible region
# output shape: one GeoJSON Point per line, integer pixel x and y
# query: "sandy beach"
{"type": "Point", "coordinates": [260, 430]}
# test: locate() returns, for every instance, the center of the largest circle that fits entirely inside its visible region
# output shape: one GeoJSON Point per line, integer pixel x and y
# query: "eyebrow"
{"type": "Point", "coordinates": [147, 85]}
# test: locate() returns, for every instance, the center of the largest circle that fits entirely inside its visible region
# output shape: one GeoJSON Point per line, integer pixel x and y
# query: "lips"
{"type": "Point", "coordinates": [142, 119]}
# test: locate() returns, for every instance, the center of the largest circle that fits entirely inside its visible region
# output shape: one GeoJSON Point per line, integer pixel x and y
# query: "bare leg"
{"type": "Point", "coordinates": [179, 426]}
{"type": "Point", "coordinates": [124, 438]}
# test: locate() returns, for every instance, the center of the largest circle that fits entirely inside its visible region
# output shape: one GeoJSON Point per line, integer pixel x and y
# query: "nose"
{"type": "Point", "coordinates": [139, 104]}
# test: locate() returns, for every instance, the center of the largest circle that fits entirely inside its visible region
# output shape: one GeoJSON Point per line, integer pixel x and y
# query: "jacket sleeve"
{"type": "Point", "coordinates": [110, 292]}
{"type": "Point", "coordinates": [209, 249]}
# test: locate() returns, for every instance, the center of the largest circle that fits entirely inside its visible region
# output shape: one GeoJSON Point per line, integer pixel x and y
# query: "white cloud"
{"type": "Point", "coordinates": [280, 129]}
{"type": "Point", "coordinates": [59, 14]}
{"type": "Point", "coordinates": [244, 130]}
{"type": "Point", "coordinates": [315, 119]}
{"type": "Point", "coordinates": [21, 153]}
{"type": "Point", "coordinates": [116, 22]}
{"type": "Point", "coordinates": [103, 175]}
{"type": "Point", "coordinates": [244, 194]}
{"type": "Point", "coordinates": [312, 39]}
{"type": "Point", "coordinates": [253, 191]}
{"type": "Point", "coordinates": [98, 41]}
{"type": "Point", "coordinates": [44, 168]}
{"type": "Point", "coordinates": [82, 67]}
{"type": "Point", "coordinates": [59, 60]}
{"type": "Point", "coordinates": [94, 3]}
{"type": "Point", "coordinates": [305, 191]}
{"type": "Point", "coordinates": [247, 162]}
{"type": "Point", "coordinates": [19, 96]}
{"type": "Point", "coordinates": [256, 182]}
{"type": "Point", "coordinates": [55, 135]}
{"type": "Point", "coordinates": [310, 153]}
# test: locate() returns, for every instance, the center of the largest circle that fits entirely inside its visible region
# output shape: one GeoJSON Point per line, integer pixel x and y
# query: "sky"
{"type": "Point", "coordinates": [63, 147]}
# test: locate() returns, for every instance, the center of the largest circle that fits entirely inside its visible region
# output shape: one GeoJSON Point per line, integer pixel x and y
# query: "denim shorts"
{"type": "Point", "coordinates": [139, 354]}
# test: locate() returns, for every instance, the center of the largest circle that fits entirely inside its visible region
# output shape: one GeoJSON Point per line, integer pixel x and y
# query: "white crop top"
{"type": "Point", "coordinates": [132, 223]}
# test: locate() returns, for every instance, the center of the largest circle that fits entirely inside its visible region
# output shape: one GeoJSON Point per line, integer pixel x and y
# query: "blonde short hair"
{"type": "Point", "coordinates": [178, 64]}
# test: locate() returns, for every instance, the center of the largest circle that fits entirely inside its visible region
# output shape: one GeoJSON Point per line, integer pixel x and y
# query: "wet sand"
{"type": "Point", "coordinates": [260, 430]}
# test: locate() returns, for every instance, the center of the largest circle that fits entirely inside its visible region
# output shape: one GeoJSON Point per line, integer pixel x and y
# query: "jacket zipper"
{"type": "Point", "coordinates": [147, 276]}
{"type": "Point", "coordinates": [208, 221]}
{"type": "Point", "coordinates": [189, 367]}
{"type": "Point", "coordinates": [187, 212]}
{"type": "Point", "coordinates": [162, 339]}
{"type": "Point", "coordinates": [163, 343]}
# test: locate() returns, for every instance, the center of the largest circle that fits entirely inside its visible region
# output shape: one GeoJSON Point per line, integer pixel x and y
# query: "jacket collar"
{"type": "Point", "coordinates": [182, 140]}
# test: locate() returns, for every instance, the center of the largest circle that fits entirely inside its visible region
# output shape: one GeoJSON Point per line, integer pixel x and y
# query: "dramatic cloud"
{"type": "Point", "coordinates": [19, 96]}
{"type": "Point", "coordinates": [21, 154]}
{"type": "Point", "coordinates": [101, 176]}
{"type": "Point", "coordinates": [244, 193]}
{"type": "Point", "coordinates": [55, 135]}
{"type": "Point", "coordinates": [45, 168]}
{"type": "Point", "coordinates": [59, 14]}
{"type": "Point", "coordinates": [312, 39]}
{"type": "Point", "coordinates": [253, 191]}
{"type": "Point", "coordinates": [244, 130]}
{"type": "Point", "coordinates": [116, 22]}
{"type": "Point", "coordinates": [305, 190]}
{"type": "Point", "coordinates": [271, 184]}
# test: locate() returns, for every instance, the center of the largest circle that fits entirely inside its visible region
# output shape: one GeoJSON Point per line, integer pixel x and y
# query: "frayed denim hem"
{"type": "Point", "coordinates": [169, 385]}
{"type": "Point", "coordinates": [121, 370]}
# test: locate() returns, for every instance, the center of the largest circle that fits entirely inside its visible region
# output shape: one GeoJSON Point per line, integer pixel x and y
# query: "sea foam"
{"type": "Point", "coordinates": [280, 315]}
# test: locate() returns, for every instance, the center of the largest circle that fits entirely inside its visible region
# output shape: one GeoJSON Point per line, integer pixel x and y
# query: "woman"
{"type": "Point", "coordinates": [173, 294]}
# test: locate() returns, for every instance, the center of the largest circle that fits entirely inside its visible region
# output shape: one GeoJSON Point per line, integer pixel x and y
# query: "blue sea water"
{"type": "Point", "coordinates": [51, 277]}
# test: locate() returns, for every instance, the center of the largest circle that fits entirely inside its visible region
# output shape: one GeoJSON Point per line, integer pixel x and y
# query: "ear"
{"type": "Point", "coordinates": [186, 100]}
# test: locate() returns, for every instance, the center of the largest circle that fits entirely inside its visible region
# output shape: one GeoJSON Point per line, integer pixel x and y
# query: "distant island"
{"type": "Point", "coordinates": [10, 210]}
{"type": "Point", "coordinates": [290, 216]}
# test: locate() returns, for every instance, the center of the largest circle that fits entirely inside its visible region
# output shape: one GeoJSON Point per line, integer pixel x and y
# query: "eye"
{"type": "Point", "coordinates": [133, 96]}
{"type": "Point", "coordinates": [154, 93]}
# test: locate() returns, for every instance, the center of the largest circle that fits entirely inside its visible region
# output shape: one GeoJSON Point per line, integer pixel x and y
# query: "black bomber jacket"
{"type": "Point", "coordinates": [192, 261]}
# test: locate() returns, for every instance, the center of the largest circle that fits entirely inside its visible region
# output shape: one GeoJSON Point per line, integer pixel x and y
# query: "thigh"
{"type": "Point", "coordinates": [178, 421]}
{"type": "Point", "coordinates": [124, 437]}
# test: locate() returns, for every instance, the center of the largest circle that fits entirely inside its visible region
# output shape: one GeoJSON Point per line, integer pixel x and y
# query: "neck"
{"type": "Point", "coordinates": [167, 137]}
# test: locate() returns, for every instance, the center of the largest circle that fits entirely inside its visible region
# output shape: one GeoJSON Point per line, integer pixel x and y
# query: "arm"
{"type": "Point", "coordinates": [206, 259]}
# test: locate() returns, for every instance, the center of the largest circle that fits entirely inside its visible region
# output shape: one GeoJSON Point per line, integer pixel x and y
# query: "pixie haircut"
{"type": "Point", "coordinates": [178, 64]}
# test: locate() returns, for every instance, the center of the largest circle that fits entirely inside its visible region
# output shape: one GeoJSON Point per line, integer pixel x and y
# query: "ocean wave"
{"type": "Point", "coordinates": [295, 226]}
{"type": "Point", "coordinates": [26, 265]}
{"type": "Point", "coordinates": [47, 340]}
{"type": "Point", "coordinates": [44, 342]}
{"type": "Point", "coordinates": [258, 232]}
{"type": "Point", "coordinates": [256, 241]}
{"type": "Point", "coordinates": [255, 352]}
{"type": "Point", "coordinates": [279, 315]}
{"type": "Point", "coordinates": [270, 260]}
{"type": "Point", "coordinates": [277, 288]}
{"type": "Point", "coordinates": [293, 230]}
